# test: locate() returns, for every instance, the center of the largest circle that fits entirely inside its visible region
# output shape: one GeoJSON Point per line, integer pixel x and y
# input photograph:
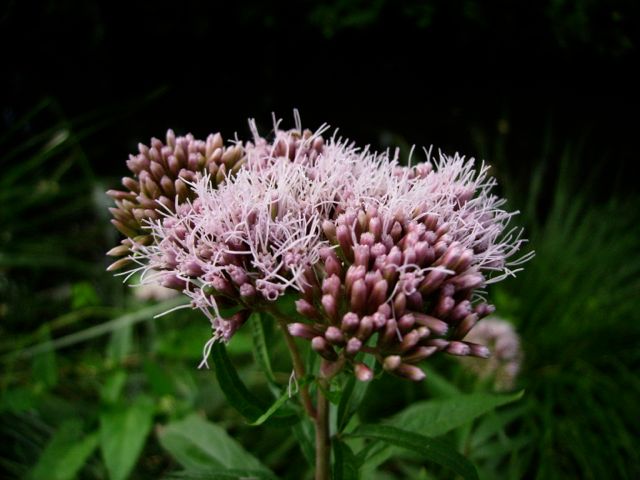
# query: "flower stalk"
{"type": "Point", "coordinates": [323, 442]}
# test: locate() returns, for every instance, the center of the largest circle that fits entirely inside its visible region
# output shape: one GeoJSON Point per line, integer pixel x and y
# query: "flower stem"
{"type": "Point", "coordinates": [323, 444]}
{"type": "Point", "coordinates": [298, 366]}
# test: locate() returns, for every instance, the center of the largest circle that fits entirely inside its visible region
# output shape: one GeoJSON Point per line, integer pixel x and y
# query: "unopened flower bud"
{"type": "Point", "coordinates": [358, 295]}
{"type": "Point", "coordinates": [320, 345]}
{"type": "Point", "coordinates": [437, 326]}
{"type": "Point", "coordinates": [353, 346]}
{"type": "Point", "coordinates": [362, 372]}
{"type": "Point", "coordinates": [306, 309]}
{"type": "Point", "coordinates": [334, 335]}
{"type": "Point", "coordinates": [411, 372]}
{"type": "Point", "coordinates": [458, 348]}
{"type": "Point", "coordinates": [391, 362]}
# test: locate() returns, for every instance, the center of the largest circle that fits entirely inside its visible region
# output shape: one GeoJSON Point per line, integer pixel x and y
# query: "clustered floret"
{"type": "Point", "coordinates": [386, 260]}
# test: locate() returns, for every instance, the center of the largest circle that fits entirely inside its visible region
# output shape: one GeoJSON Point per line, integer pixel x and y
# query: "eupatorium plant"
{"type": "Point", "coordinates": [386, 261]}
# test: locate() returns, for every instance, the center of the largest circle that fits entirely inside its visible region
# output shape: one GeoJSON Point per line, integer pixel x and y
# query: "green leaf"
{"type": "Point", "coordinates": [304, 433]}
{"type": "Point", "coordinates": [260, 350]}
{"type": "Point", "coordinates": [120, 344]}
{"type": "Point", "coordinates": [160, 380]}
{"type": "Point", "coordinates": [436, 417]}
{"type": "Point", "coordinates": [238, 395]}
{"type": "Point", "coordinates": [44, 364]}
{"type": "Point", "coordinates": [346, 465]}
{"type": "Point", "coordinates": [198, 444]}
{"type": "Point", "coordinates": [271, 410]}
{"type": "Point", "coordinates": [223, 474]}
{"type": "Point", "coordinates": [435, 450]}
{"type": "Point", "coordinates": [110, 392]}
{"type": "Point", "coordinates": [122, 435]}
{"type": "Point", "coordinates": [65, 454]}
{"type": "Point", "coordinates": [144, 314]}
{"type": "Point", "coordinates": [236, 392]}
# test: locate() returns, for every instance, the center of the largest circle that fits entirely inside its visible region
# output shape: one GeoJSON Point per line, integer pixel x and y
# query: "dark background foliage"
{"type": "Point", "coordinates": [544, 91]}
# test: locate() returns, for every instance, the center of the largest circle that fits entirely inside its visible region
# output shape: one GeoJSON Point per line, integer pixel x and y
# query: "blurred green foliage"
{"type": "Point", "coordinates": [94, 387]}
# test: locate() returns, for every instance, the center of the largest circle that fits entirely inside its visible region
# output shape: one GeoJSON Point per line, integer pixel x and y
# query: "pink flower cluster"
{"type": "Point", "coordinates": [387, 260]}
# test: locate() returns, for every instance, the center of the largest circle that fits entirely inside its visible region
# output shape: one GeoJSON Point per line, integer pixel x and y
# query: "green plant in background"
{"type": "Point", "coordinates": [580, 329]}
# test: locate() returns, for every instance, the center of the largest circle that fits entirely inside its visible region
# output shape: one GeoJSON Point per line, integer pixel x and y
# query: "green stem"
{"type": "Point", "coordinates": [323, 445]}
{"type": "Point", "coordinates": [298, 365]}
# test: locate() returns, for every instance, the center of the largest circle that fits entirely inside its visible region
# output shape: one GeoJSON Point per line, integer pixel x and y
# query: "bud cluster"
{"type": "Point", "coordinates": [161, 172]}
{"type": "Point", "coordinates": [386, 260]}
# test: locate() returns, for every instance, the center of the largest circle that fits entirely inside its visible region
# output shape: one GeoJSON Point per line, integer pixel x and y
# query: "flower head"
{"type": "Point", "coordinates": [386, 260]}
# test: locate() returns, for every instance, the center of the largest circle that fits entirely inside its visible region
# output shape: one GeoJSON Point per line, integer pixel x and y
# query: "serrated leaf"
{"type": "Point", "coordinates": [123, 432]}
{"type": "Point", "coordinates": [346, 465]}
{"type": "Point", "coordinates": [437, 417]}
{"type": "Point", "coordinates": [198, 444]}
{"type": "Point", "coordinates": [65, 454]}
{"type": "Point", "coordinates": [435, 450]}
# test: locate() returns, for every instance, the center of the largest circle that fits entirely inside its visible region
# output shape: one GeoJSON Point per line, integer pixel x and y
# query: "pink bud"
{"type": "Point", "coordinates": [399, 304]}
{"type": "Point", "coordinates": [468, 281]}
{"type": "Point", "coordinates": [353, 273]}
{"type": "Point", "coordinates": [458, 348]}
{"type": "Point", "coordinates": [365, 329]}
{"type": "Point", "coordinates": [332, 265]}
{"type": "Point", "coordinates": [358, 295]}
{"type": "Point", "coordinates": [334, 335]}
{"type": "Point", "coordinates": [350, 322]}
{"type": "Point", "coordinates": [320, 345]}
{"type": "Point", "coordinates": [306, 309]}
{"type": "Point", "coordinates": [419, 354]}
{"type": "Point", "coordinates": [331, 286]}
{"type": "Point", "coordinates": [302, 330]}
{"type": "Point", "coordinates": [432, 281]}
{"type": "Point", "coordinates": [367, 239]}
{"type": "Point", "coordinates": [362, 372]}
{"type": "Point", "coordinates": [466, 325]}
{"type": "Point", "coordinates": [396, 231]}
{"type": "Point", "coordinates": [439, 343]}
{"type": "Point", "coordinates": [375, 227]}
{"type": "Point", "coordinates": [406, 322]}
{"type": "Point", "coordinates": [390, 333]}
{"type": "Point", "coordinates": [424, 254]}
{"type": "Point", "coordinates": [344, 240]}
{"type": "Point", "coordinates": [391, 362]}
{"type": "Point", "coordinates": [172, 281]}
{"type": "Point", "coordinates": [411, 372]}
{"type": "Point", "coordinates": [478, 350]}
{"type": "Point", "coordinates": [247, 290]}
{"type": "Point", "coordinates": [434, 324]}
{"type": "Point", "coordinates": [353, 346]}
{"type": "Point", "coordinates": [330, 306]}
{"type": "Point", "coordinates": [444, 306]}
{"type": "Point", "coordinates": [361, 255]}
{"type": "Point", "coordinates": [378, 250]}
{"type": "Point", "coordinates": [329, 230]}
{"type": "Point", "coordinates": [192, 269]}
{"type": "Point", "coordinates": [409, 341]}
{"type": "Point", "coordinates": [378, 293]}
